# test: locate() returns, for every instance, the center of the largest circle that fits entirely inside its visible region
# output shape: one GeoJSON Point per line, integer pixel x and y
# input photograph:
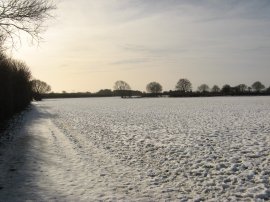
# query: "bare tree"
{"type": "Point", "coordinates": [122, 88]}
{"type": "Point", "coordinates": [226, 89]}
{"type": "Point", "coordinates": [26, 16]}
{"type": "Point", "coordinates": [183, 85]}
{"type": "Point", "coordinates": [258, 86]}
{"type": "Point", "coordinates": [39, 88]}
{"type": "Point", "coordinates": [215, 89]}
{"type": "Point", "coordinates": [154, 87]}
{"type": "Point", "coordinates": [203, 88]}
{"type": "Point", "coordinates": [242, 88]}
{"type": "Point", "coordinates": [121, 85]}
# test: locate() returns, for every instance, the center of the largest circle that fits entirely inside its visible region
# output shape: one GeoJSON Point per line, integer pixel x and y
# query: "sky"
{"type": "Point", "coordinates": [90, 44]}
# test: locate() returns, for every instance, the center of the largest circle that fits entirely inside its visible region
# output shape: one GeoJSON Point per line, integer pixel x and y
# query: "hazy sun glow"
{"type": "Point", "coordinates": [91, 44]}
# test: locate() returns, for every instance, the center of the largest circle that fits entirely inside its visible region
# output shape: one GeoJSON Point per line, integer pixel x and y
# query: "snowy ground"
{"type": "Point", "coordinates": [187, 149]}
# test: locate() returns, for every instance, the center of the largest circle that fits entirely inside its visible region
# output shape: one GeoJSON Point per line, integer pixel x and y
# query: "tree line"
{"type": "Point", "coordinates": [17, 87]}
{"type": "Point", "coordinates": [183, 88]}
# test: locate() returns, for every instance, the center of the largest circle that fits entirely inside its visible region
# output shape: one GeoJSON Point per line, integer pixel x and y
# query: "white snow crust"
{"type": "Point", "coordinates": [112, 149]}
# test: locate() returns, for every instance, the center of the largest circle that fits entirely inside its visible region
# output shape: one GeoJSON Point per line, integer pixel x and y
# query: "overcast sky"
{"type": "Point", "coordinates": [92, 43]}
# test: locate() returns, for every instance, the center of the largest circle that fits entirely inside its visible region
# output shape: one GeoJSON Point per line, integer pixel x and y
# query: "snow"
{"type": "Point", "coordinates": [186, 149]}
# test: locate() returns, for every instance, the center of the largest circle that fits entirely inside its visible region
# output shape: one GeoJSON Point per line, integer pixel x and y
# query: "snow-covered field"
{"type": "Point", "coordinates": [186, 149]}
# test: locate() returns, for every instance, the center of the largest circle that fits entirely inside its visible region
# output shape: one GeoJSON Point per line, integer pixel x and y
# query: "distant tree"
{"type": "Point", "coordinates": [258, 86]}
{"type": "Point", "coordinates": [154, 87]}
{"type": "Point", "coordinates": [122, 88]}
{"type": "Point", "coordinates": [203, 88]}
{"type": "Point", "coordinates": [226, 89]}
{"type": "Point", "coordinates": [215, 89]}
{"type": "Point", "coordinates": [241, 88]}
{"type": "Point", "coordinates": [39, 88]}
{"type": "Point", "coordinates": [23, 16]}
{"type": "Point", "coordinates": [249, 89]}
{"type": "Point", "coordinates": [121, 85]}
{"type": "Point", "coordinates": [184, 85]}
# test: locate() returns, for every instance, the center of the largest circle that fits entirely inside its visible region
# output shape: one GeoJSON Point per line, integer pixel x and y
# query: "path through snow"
{"type": "Point", "coordinates": [42, 164]}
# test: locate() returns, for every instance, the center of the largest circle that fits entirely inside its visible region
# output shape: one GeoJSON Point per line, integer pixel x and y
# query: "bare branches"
{"type": "Point", "coordinates": [121, 85]}
{"type": "Point", "coordinates": [154, 87]}
{"type": "Point", "coordinates": [23, 16]}
{"type": "Point", "coordinates": [184, 85]}
{"type": "Point", "coordinates": [40, 87]}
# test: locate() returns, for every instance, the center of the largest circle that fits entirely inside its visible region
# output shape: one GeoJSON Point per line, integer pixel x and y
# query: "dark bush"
{"type": "Point", "coordinates": [15, 87]}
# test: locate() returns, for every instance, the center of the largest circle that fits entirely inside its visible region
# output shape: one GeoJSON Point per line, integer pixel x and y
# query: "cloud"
{"type": "Point", "coordinates": [261, 49]}
{"type": "Point", "coordinates": [152, 50]}
{"type": "Point", "coordinates": [130, 61]}
{"type": "Point", "coordinates": [128, 10]}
